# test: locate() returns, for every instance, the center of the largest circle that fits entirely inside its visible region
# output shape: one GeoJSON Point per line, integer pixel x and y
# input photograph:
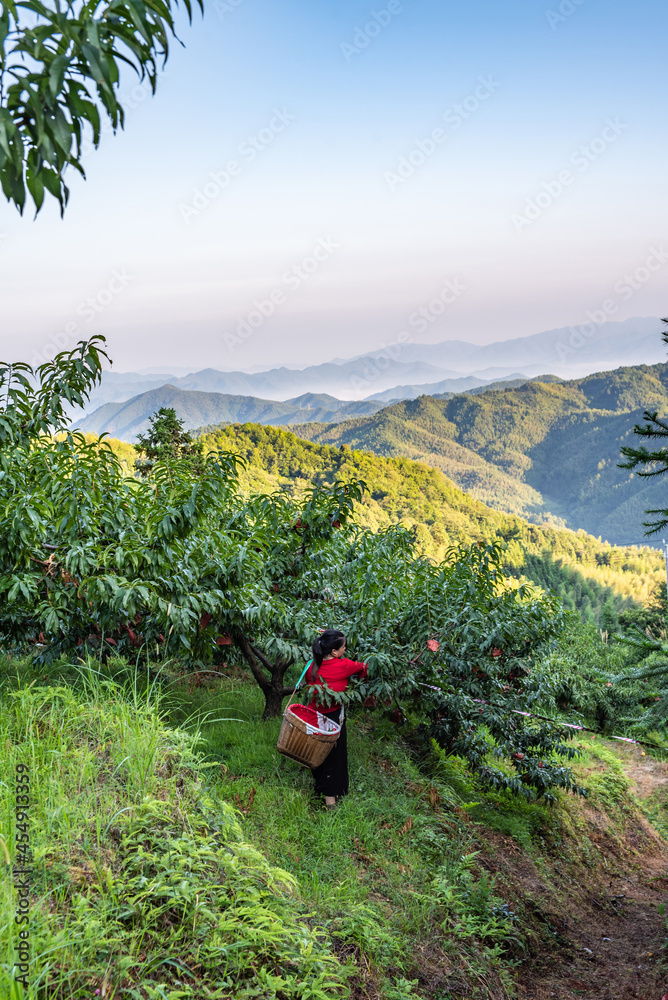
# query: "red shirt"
{"type": "Point", "coordinates": [335, 673]}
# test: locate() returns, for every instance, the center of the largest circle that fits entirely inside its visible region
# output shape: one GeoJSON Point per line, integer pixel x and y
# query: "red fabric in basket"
{"type": "Point", "coordinates": [306, 714]}
{"type": "Point", "coordinates": [315, 719]}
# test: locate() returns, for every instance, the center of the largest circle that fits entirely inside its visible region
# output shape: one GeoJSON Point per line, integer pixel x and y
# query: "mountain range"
{"type": "Point", "coordinates": [198, 409]}
{"type": "Point", "coordinates": [128, 419]}
{"type": "Point", "coordinates": [568, 351]}
{"type": "Point", "coordinates": [405, 369]}
{"type": "Point", "coordinates": [544, 448]}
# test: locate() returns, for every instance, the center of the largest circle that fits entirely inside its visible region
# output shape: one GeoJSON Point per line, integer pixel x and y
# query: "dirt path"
{"type": "Point", "coordinates": [609, 935]}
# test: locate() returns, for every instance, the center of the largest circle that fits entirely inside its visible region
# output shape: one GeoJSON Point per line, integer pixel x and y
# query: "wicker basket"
{"type": "Point", "coordinates": [306, 736]}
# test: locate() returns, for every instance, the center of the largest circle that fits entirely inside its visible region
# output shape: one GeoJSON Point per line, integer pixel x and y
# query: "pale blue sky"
{"type": "Point", "coordinates": [333, 96]}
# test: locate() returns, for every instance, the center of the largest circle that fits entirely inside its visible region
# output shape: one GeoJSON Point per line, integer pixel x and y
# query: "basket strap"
{"type": "Point", "coordinates": [298, 683]}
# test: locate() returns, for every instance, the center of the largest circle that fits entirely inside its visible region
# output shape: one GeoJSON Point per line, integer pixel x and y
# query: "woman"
{"type": "Point", "coordinates": [331, 667]}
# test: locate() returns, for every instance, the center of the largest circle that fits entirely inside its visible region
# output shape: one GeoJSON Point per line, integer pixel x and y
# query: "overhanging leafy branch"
{"type": "Point", "coordinates": [60, 71]}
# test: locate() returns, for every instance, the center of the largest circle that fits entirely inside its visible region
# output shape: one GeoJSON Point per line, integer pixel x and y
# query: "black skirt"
{"type": "Point", "coordinates": [331, 777]}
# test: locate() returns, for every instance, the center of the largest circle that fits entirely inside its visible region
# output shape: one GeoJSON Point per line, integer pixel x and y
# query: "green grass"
{"type": "Point", "coordinates": [656, 809]}
{"type": "Point", "coordinates": [143, 884]}
{"type": "Point", "coordinates": [178, 855]}
{"type": "Point", "coordinates": [394, 866]}
{"type": "Point", "coordinates": [146, 768]}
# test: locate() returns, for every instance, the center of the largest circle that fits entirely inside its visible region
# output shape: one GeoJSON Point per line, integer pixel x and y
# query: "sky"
{"type": "Point", "coordinates": [310, 174]}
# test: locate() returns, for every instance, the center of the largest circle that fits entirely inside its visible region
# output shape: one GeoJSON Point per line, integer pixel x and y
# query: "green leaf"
{"type": "Point", "coordinates": [7, 133]}
{"type": "Point", "coordinates": [57, 72]}
{"type": "Point", "coordinates": [35, 184]}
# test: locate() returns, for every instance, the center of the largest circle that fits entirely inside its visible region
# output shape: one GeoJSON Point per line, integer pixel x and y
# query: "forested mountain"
{"type": "Point", "coordinates": [545, 451]}
{"type": "Point", "coordinates": [196, 408]}
{"type": "Point", "coordinates": [447, 387]}
{"type": "Point", "coordinates": [127, 420]}
{"type": "Point", "coordinates": [586, 573]}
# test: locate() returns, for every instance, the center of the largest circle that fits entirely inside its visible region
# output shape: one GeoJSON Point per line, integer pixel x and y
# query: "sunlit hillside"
{"type": "Point", "coordinates": [545, 451]}
{"type": "Point", "coordinates": [583, 570]}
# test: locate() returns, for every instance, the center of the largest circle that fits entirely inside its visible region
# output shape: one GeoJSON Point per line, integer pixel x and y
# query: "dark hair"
{"type": "Point", "coordinates": [328, 640]}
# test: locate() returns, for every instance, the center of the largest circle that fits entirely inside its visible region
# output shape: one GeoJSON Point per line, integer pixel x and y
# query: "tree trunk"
{"type": "Point", "coordinates": [273, 702]}
{"type": "Point", "coordinates": [274, 693]}
{"type": "Point", "coordinates": [269, 677]}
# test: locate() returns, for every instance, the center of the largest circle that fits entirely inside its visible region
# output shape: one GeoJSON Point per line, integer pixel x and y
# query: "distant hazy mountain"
{"type": "Point", "coordinates": [351, 379]}
{"type": "Point", "coordinates": [117, 386]}
{"type": "Point", "coordinates": [569, 351]}
{"type": "Point", "coordinates": [448, 385]}
{"type": "Point", "coordinates": [127, 419]}
{"type": "Point", "coordinates": [354, 379]}
{"type": "Point", "coordinates": [169, 371]}
{"type": "Point", "coordinates": [407, 370]}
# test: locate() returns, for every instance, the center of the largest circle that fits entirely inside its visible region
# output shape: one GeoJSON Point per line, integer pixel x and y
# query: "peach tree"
{"type": "Point", "coordinates": [90, 555]}
{"type": "Point", "coordinates": [454, 651]}
{"type": "Point", "coordinates": [174, 563]}
{"type": "Point", "coordinates": [61, 66]}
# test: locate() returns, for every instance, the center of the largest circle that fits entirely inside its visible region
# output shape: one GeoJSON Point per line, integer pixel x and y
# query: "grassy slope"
{"type": "Point", "coordinates": [546, 451]}
{"type": "Point", "coordinates": [143, 885]}
{"type": "Point", "coordinates": [401, 489]}
{"type": "Point", "coordinates": [434, 882]}
{"type": "Point", "coordinates": [419, 886]}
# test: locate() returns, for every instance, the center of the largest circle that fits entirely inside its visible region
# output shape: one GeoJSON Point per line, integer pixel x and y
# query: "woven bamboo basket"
{"type": "Point", "coordinates": [306, 736]}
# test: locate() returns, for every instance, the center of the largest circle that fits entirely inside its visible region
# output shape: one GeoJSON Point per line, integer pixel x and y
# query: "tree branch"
{"type": "Point", "coordinates": [263, 659]}
{"type": "Point", "coordinates": [248, 654]}
{"type": "Point", "coordinates": [277, 669]}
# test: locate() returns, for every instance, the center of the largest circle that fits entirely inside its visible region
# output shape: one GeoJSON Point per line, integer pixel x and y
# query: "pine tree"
{"type": "Point", "coordinates": [609, 622]}
{"type": "Point", "coordinates": [167, 441]}
{"type": "Point", "coordinates": [654, 463]}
